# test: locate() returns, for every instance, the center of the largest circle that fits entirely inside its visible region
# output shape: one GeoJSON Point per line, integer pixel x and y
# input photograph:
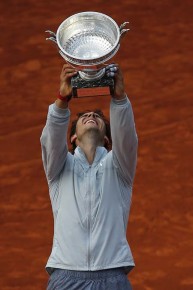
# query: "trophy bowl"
{"type": "Point", "coordinates": [87, 40]}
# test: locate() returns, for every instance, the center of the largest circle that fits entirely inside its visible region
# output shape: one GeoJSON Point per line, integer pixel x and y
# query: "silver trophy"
{"type": "Point", "coordinates": [86, 41]}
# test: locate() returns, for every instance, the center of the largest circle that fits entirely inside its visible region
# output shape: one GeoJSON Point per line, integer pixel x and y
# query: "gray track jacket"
{"type": "Point", "coordinates": [90, 203]}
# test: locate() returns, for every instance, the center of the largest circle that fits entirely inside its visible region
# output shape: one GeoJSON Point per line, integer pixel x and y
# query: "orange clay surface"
{"type": "Point", "coordinates": [156, 59]}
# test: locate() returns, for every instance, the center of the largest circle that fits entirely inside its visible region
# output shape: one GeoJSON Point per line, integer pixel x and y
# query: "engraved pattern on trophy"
{"type": "Point", "coordinates": [88, 45]}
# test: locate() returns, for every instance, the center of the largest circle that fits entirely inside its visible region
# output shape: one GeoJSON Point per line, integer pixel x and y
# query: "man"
{"type": "Point", "coordinates": [90, 191]}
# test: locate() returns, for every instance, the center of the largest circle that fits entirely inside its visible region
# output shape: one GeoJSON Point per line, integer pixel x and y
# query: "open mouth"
{"type": "Point", "coordinates": [91, 121]}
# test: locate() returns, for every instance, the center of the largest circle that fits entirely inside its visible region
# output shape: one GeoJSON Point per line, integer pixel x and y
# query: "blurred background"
{"type": "Point", "coordinates": [156, 59]}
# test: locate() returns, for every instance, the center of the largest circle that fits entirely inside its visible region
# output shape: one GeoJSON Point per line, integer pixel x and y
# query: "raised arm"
{"type": "Point", "coordinates": [124, 137]}
{"type": "Point", "coordinates": [54, 136]}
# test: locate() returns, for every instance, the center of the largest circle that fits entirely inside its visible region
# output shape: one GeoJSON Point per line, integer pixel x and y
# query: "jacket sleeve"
{"type": "Point", "coordinates": [54, 141]}
{"type": "Point", "coordinates": [124, 138]}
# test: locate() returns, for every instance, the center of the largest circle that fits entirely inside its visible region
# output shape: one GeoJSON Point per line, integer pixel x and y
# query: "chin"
{"type": "Point", "coordinates": [93, 129]}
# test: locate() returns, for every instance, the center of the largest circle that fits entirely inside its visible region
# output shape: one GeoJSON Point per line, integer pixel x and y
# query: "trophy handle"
{"type": "Point", "coordinates": [52, 37]}
{"type": "Point", "coordinates": [123, 31]}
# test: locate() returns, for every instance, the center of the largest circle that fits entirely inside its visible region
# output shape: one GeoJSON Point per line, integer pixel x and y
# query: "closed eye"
{"type": "Point", "coordinates": [88, 115]}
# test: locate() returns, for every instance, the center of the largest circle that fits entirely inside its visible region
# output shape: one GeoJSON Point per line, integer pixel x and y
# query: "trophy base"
{"type": "Point", "coordinates": [92, 88]}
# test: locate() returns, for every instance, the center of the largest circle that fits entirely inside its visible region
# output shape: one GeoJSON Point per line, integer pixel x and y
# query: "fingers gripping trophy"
{"type": "Point", "coordinates": [87, 41]}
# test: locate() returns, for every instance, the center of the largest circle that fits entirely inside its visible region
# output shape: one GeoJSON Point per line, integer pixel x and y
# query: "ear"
{"type": "Point", "coordinates": [73, 138]}
{"type": "Point", "coordinates": [106, 140]}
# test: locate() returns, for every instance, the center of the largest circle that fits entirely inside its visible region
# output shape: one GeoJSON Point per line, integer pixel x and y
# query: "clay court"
{"type": "Point", "coordinates": [156, 59]}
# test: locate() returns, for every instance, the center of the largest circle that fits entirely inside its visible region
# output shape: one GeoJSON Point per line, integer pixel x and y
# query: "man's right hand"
{"type": "Point", "coordinates": [65, 85]}
{"type": "Point", "coordinates": [65, 80]}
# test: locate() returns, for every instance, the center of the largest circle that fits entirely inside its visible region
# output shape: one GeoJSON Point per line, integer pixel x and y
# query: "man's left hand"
{"type": "Point", "coordinates": [113, 70]}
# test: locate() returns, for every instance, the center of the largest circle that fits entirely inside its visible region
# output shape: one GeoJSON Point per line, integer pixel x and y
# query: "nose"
{"type": "Point", "coordinates": [92, 114]}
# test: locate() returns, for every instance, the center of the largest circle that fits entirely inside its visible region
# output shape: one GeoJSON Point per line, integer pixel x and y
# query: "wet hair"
{"type": "Point", "coordinates": [107, 145]}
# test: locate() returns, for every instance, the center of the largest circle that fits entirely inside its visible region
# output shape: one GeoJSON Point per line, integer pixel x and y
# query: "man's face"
{"type": "Point", "coordinates": [90, 122]}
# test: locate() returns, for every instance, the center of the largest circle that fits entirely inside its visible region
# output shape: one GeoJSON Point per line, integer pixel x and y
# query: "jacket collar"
{"type": "Point", "coordinates": [80, 156]}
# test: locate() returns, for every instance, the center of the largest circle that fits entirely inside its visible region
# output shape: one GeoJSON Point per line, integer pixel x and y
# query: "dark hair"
{"type": "Point", "coordinates": [107, 126]}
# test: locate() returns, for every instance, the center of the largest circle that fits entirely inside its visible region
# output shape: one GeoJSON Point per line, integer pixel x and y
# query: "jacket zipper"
{"type": "Point", "coordinates": [89, 216]}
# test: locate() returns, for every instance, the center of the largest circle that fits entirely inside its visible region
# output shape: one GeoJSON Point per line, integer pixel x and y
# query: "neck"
{"type": "Point", "coordinates": [88, 144]}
